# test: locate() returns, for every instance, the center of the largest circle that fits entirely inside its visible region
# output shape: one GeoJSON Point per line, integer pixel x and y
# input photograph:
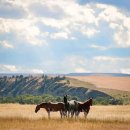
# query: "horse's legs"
{"type": "Point", "coordinates": [72, 113]}
{"type": "Point", "coordinates": [65, 114]}
{"type": "Point", "coordinates": [48, 114]}
{"type": "Point", "coordinates": [76, 114]}
{"type": "Point", "coordinates": [61, 114]}
{"type": "Point", "coordinates": [68, 114]}
{"type": "Point", "coordinates": [85, 114]}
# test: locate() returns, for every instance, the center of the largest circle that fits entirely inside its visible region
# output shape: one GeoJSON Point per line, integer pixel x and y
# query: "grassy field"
{"type": "Point", "coordinates": [23, 117]}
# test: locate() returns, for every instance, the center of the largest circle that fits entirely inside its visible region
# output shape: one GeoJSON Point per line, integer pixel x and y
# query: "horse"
{"type": "Point", "coordinates": [52, 107]}
{"type": "Point", "coordinates": [70, 106]}
{"type": "Point", "coordinates": [84, 107]}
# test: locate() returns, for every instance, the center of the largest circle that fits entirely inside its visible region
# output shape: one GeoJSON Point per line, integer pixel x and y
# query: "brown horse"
{"type": "Point", "coordinates": [84, 107]}
{"type": "Point", "coordinates": [52, 107]}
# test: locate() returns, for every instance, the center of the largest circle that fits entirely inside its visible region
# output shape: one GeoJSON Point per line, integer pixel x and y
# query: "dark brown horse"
{"type": "Point", "coordinates": [84, 107]}
{"type": "Point", "coordinates": [54, 107]}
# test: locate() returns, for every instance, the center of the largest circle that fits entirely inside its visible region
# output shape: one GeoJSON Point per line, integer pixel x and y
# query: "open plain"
{"type": "Point", "coordinates": [23, 117]}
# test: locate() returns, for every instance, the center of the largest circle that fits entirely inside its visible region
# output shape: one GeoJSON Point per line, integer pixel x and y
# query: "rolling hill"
{"type": "Point", "coordinates": [108, 82]}
{"type": "Point", "coordinates": [117, 87]}
{"type": "Point", "coordinates": [57, 86]}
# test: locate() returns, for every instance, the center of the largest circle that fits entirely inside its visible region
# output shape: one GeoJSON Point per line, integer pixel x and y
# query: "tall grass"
{"type": "Point", "coordinates": [23, 117]}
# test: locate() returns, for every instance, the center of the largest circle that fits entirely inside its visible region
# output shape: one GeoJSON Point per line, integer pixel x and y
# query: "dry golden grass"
{"type": "Point", "coordinates": [23, 117]}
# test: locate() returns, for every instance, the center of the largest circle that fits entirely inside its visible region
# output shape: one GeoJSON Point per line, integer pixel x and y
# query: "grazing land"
{"type": "Point", "coordinates": [23, 117]}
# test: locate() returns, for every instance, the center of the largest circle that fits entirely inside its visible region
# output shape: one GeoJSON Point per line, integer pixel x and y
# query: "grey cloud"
{"type": "Point", "coordinates": [8, 10]}
{"type": "Point", "coordinates": [43, 10]}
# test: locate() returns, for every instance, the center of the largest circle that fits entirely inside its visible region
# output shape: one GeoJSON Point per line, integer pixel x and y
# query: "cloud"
{"type": "Point", "coordinates": [24, 30]}
{"type": "Point", "coordinates": [4, 68]}
{"type": "Point", "coordinates": [98, 47]}
{"type": "Point", "coordinates": [36, 71]}
{"type": "Point", "coordinates": [9, 10]}
{"type": "Point", "coordinates": [108, 58]}
{"type": "Point", "coordinates": [75, 63]}
{"type": "Point", "coordinates": [83, 64]}
{"type": "Point", "coordinates": [89, 32]}
{"type": "Point", "coordinates": [8, 68]}
{"type": "Point", "coordinates": [104, 58]}
{"type": "Point", "coordinates": [125, 70]}
{"type": "Point", "coordinates": [119, 22]}
{"type": "Point", "coordinates": [46, 9]}
{"type": "Point", "coordinates": [59, 35]}
{"type": "Point", "coordinates": [81, 70]}
{"type": "Point", "coordinates": [72, 21]}
{"type": "Point", "coordinates": [65, 18]}
{"type": "Point", "coordinates": [122, 38]}
{"type": "Point", "coordinates": [6, 44]}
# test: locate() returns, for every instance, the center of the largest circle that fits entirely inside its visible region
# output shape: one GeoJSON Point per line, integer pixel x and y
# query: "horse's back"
{"type": "Point", "coordinates": [59, 106]}
{"type": "Point", "coordinates": [73, 105]}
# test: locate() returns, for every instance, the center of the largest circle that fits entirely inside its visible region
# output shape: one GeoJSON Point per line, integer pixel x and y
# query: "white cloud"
{"type": "Point", "coordinates": [104, 58]}
{"type": "Point", "coordinates": [24, 30]}
{"type": "Point", "coordinates": [114, 25]}
{"type": "Point", "coordinates": [64, 15]}
{"type": "Point", "coordinates": [74, 64]}
{"type": "Point", "coordinates": [122, 38]}
{"type": "Point", "coordinates": [8, 68]}
{"type": "Point", "coordinates": [119, 22]}
{"type": "Point", "coordinates": [110, 13]}
{"type": "Point", "coordinates": [108, 58]}
{"type": "Point", "coordinates": [89, 32]}
{"type": "Point", "coordinates": [6, 44]}
{"type": "Point", "coordinates": [98, 47]}
{"type": "Point", "coordinates": [59, 35]}
{"type": "Point", "coordinates": [36, 71]}
{"type": "Point", "coordinates": [74, 17]}
{"type": "Point", "coordinates": [11, 68]}
{"type": "Point", "coordinates": [94, 64]}
{"type": "Point", "coordinates": [109, 64]}
{"type": "Point", "coordinates": [125, 70]}
{"type": "Point", "coordinates": [81, 70]}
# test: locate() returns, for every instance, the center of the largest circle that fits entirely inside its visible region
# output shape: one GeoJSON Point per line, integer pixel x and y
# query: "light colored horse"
{"type": "Point", "coordinates": [71, 107]}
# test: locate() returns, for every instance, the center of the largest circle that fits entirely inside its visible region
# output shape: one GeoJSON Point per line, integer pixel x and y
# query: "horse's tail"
{"type": "Point", "coordinates": [76, 105]}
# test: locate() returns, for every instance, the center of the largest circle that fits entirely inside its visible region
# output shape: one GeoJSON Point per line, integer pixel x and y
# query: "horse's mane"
{"type": "Point", "coordinates": [55, 102]}
{"type": "Point", "coordinates": [43, 103]}
{"type": "Point", "coordinates": [88, 102]}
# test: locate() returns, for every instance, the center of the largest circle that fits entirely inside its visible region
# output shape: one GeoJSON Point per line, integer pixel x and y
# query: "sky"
{"type": "Point", "coordinates": [65, 36]}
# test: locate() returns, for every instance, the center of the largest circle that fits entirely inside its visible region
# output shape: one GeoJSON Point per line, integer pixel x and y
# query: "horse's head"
{"type": "Point", "coordinates": [37, 108]}
{"type": "Point", "coordinates": [91, 101]}
{"type": "Point", "coordinates": [65, 99]}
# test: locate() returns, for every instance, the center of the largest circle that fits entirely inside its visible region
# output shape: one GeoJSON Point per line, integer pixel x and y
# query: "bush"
{"type": "Point", "coordinates": [31, 99]}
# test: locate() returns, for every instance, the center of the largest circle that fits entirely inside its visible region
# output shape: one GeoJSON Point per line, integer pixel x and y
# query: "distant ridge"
{"type": "Point", "coordinates": [98, 74]}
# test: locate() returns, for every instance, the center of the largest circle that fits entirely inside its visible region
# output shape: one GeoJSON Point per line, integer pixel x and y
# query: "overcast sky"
{"type": "Point", "coordinates": [64, 36]}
